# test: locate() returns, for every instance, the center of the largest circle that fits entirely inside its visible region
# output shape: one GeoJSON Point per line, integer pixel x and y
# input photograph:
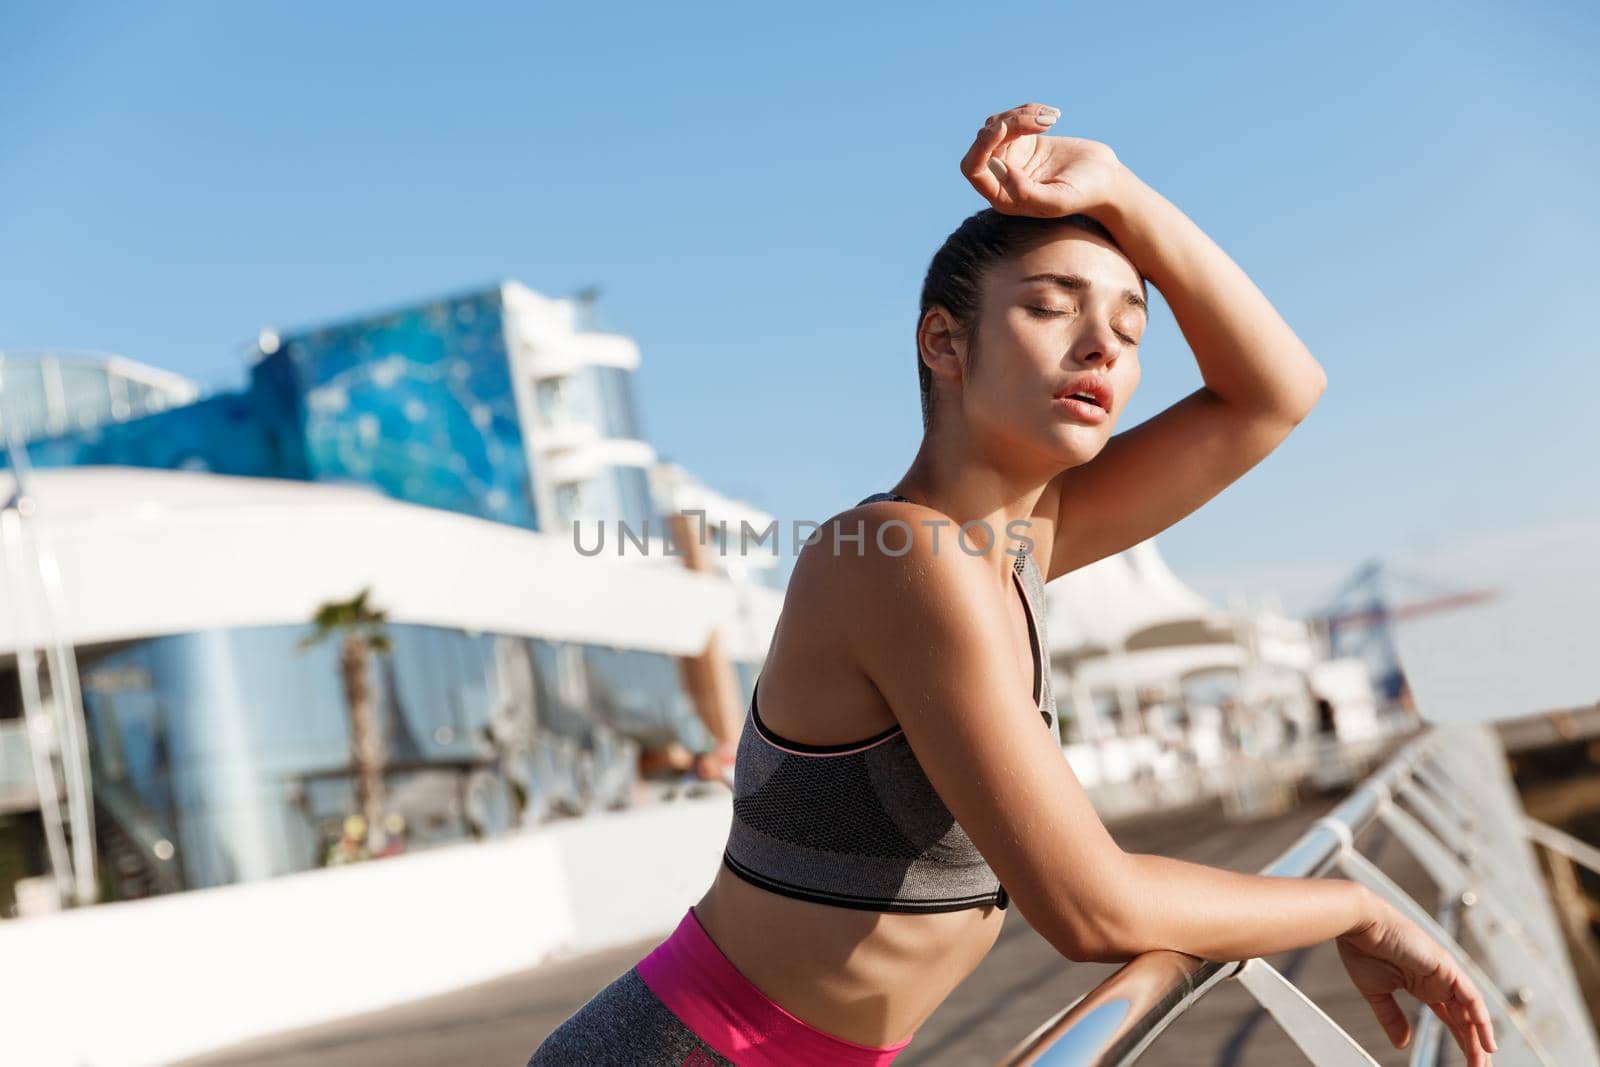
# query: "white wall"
{"type": "Point", "coordinates": [146, 982]}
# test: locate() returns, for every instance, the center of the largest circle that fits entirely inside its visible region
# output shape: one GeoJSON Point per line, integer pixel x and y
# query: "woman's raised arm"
{"type": "Point", "coordinates": [1260, 381]}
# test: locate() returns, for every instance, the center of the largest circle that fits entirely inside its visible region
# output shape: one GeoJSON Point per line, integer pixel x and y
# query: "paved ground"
{"type": "Point", "coordinates": [1020, 984]}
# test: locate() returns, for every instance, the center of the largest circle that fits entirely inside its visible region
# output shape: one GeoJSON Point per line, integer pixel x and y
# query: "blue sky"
{"type": "Point", "coordinates": [757, 192]}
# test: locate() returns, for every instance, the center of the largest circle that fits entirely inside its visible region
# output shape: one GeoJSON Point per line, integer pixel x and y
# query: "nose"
{"type": "Point", "coordinates": [1098, 345]}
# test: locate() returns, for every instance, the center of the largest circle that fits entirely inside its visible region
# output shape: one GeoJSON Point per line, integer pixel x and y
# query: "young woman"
{"type": "Point", "coordinates": [895, 787]}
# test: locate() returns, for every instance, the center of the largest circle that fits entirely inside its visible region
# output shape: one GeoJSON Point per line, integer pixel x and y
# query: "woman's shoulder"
{"type": "Point", "coordinates": [875, 537]}
{"type": "Point", "coordinates": [884, 563]}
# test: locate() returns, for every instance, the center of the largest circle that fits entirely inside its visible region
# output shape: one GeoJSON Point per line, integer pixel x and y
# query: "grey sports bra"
{"type": "Point", "coordinates": [859, 825]}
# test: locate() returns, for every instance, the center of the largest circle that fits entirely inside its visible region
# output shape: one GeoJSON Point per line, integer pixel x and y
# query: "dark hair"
{"type": "Point", "coordinates": [955, 276]}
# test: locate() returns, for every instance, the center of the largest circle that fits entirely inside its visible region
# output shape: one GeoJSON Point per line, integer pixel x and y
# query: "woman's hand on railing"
{"type": "Point", "coordinates": [1022, 172]}
{"type": "Point", "coordinates": [1390, 952]}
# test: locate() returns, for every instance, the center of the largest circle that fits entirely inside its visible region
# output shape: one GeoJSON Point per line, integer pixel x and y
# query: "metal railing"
{"type": "Point", "coordinates": [17, 789]}
{"type": "Point", "coordinates": [52, 703]}
{"type": "Point", "coordinates": [1447, 798]}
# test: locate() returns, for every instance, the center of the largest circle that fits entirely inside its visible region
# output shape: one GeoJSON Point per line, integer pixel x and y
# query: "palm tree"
{"type": "Point", "coordinates": [360, 628]}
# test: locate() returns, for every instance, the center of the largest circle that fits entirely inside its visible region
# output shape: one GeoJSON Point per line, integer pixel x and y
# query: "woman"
{"type": "Point", "coordinates": [895, 788]}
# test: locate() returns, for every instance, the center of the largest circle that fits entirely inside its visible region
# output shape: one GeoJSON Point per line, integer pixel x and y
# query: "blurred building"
{"type": "Point", "coordinates": [494, 403]}
{"type": "Point", "coordinates": [45, 394]}
{"type": "Point", "coordinates": [164, 552]}
{"type": "Point", "coordinates": [1155, 678]}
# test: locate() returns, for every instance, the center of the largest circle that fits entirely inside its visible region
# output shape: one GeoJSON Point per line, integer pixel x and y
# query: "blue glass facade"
{"type": "Point", "coordinates": [235, 744]}
{"type": "Point", "coordinates": [418, 403]}
{"type": "Point", "coordinates": [229, 433]}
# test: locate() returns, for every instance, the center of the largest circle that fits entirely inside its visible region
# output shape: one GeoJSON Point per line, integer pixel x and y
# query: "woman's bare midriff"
{"type": "Point", "coordinates": [868, 977]}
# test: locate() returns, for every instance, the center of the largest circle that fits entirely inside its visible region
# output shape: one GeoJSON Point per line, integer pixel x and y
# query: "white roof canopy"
{"type": "Point", "coordinates": [147, 552]}
{"type": "Point", "coordinates": [1131, 600]}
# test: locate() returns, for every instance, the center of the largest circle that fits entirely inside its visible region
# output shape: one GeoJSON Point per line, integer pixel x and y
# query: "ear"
{"type": "Point", "coordinates": [942, 349]}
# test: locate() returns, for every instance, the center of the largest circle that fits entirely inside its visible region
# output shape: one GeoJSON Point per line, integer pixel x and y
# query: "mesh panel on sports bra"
{"type": "Point", "coordinates": [781, 808]}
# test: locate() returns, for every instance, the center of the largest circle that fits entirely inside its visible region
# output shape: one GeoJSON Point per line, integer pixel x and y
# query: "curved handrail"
{"type": "Point", "coordinates": [1448, 801]}
{"type": "Point", "coordinates": [1114, 1022]}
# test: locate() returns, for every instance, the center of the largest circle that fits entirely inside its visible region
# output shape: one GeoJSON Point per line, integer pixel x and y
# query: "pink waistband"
{"type": "Point", "coordinates": [702, 987]}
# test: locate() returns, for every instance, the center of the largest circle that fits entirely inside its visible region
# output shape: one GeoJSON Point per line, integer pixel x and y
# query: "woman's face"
{"type": "Point", "coordinates": [1065, 315]}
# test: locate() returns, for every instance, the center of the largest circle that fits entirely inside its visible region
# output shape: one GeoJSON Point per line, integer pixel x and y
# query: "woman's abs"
{"type": "Point", "coordinates": [866, 976]}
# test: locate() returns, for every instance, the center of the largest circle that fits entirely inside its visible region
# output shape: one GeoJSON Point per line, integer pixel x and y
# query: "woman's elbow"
{"type": "Point", "coordinates": [1093, 927]}
{"type": "Point", "coordinates": [1316, 384]}
{"type": "Point", "coordinates": [1102, 938]}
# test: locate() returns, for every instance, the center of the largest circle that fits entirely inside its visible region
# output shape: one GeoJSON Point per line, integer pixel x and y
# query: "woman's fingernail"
{"type": "Point", "coordinates": [1044, 118]}
{"type": "Point", "coordinates": [998, 168]}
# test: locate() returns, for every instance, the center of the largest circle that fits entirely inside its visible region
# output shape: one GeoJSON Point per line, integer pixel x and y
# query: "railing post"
{"type": "Point", "coordinates": [1579, 852]}
{"type": "Point", "coordinates": [1427, 1036]}
{"type": "Point", "coordinates": [1523, 1047]}
{"type": "Point", "coordinates": [41, 729]}
{"type": "Point", "coordinates": [1494, 880]}
{"type": "Point", "coordinates": [1324, 1041]}
{"type": "Point", "coordinates": [1520, 954]}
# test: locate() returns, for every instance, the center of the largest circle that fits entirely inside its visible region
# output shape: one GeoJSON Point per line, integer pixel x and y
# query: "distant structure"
{"type": "Point", "coordinates": [164, 551]}
{"type": "Point", "coordinates": [1358, 620]}
{"type": "Point", "coordinates": [1159, 681]}
{"type": "Point", "coordinates": [48, 393]}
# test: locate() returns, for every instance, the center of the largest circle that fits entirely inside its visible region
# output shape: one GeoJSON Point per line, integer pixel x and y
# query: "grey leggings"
{"type": "Point", "coordinates": [625, 1025]}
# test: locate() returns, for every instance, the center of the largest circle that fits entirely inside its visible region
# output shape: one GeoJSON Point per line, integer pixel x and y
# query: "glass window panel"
{"type": "Point", "coordinates": [618, 413]}
{"type": "Point", "coordinates": [640, 694]}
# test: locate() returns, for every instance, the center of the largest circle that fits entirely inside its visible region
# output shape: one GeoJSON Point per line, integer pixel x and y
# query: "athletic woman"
{"type": "Point", "coordinates": [895, 787]}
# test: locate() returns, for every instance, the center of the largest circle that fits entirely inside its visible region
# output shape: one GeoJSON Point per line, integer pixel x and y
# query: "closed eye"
{"type": "Point", "coordinates": [1053, 312]}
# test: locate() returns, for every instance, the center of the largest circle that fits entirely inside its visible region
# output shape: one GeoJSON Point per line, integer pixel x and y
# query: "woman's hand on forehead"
{"type": "Point", "coordinates": [1022, 172]}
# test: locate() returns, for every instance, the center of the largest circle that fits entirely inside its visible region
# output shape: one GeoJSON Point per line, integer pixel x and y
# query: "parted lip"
{"type": "Point", "coordinates": [1097, 389]}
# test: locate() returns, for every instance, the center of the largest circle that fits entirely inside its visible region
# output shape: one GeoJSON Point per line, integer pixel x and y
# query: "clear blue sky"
{"type": "Point", "coordinates": [757, 191]}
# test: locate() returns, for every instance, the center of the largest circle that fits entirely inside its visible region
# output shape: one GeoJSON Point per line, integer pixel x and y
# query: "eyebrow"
{"type": "Point", "coordinates": [1077, 282]}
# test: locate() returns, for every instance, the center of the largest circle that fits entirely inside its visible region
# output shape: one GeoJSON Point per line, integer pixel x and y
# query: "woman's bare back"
{"type": "Point", "coordinates": [872, 977]}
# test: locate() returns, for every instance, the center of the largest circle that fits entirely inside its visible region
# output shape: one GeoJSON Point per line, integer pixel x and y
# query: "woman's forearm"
{"type": "Point", "coordinates": [1247, 354]}
{"type": "Point", "coordinates": [1223, 915]}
